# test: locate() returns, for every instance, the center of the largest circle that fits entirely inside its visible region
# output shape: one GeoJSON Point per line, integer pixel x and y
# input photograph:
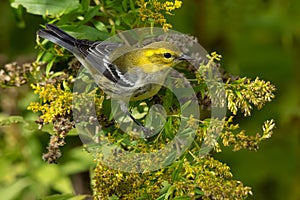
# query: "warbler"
{"type": "Point", "coordinates": [121, 71]}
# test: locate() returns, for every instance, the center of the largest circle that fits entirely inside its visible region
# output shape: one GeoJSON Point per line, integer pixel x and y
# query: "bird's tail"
{"type": "Point", "coordinates": [59, 37]}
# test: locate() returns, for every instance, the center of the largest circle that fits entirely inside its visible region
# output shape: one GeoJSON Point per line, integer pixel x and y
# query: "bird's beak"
{"type": "Point", "coordinates": [185, 57]}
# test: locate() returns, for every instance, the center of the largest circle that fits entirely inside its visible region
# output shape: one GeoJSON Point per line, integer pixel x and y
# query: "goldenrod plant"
{"type": "Point", "coordinates": [195, 174]}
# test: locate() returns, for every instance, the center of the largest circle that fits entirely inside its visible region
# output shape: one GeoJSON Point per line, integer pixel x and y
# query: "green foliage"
{"type": "Point", "coordinates": [23, 174]}
{"type": "Point", "coordinates": [204, 178]}
{"type": "Point", "coordinates": [66, 197]}
{"type": "Point", "coordinates": [52, 76]}
{"type": "Point", "coordinates": [7, 120]}
{"type": "Point", "coordinates": [45, 7]}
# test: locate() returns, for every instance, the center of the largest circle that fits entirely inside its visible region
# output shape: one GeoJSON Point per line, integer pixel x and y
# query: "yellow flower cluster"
{"type": "Point", "coordinates": [238, 139]}
{"type": "Point", "coordinates": [154, 11]}
{"type": "Point", "coordinates": [244, 93]}
{"type": "Point", "coordinates": [54, 101]}
{"type": "Point", "coordinates": [168, 5]}
{"type": "Point", "coordinates": [206, 178]}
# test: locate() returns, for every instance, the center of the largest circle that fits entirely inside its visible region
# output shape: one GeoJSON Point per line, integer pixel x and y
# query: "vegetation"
{"type": "Point", "coordinates": [51, 78]}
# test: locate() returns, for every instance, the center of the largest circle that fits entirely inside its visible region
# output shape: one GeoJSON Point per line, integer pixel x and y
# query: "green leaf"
{"type": "Point", "coordinates": [100, 26]}
{"type": "Point", "coordinates": [49, 66]}
{"type": "Point", "coordinates": [85, 32]}
{"type": "Point", "coordinates": [85, 4]}
{"type": "Point", "coordinates": [168, 129]}
{"type": "Point", "coordinates": [185, 105]}
{"type": "Point", "coordinates": [12, 191]}
{"type": "Point", "coordinates": [48, 128]}
{"type": "Point", "coordinates": [132, 6]}
{"type": "Point", "coordinates": [77, 160]}
{"type": "Point", "coordinates": [65, 197]}
{"type": "Point", "coordinates": [198, 191]}
{"type": "Point", "coordinates": [92, 12]}
{"type": "Point", "coordinates": [7, 120]}
{"type": "Point", "coordinates": [55, 74]}
{"type": "Point", "coordinates": [19, 16]}
{"type": "Point", "coordinates": [30, 125]}
{"type": "Point", "coordinates": [170, 192]}
{"type": "Point", "coordinates": [177, 170]}
{"type": "Point", "coordinates": [183, 198]}
{"type": "Point", "coordinates": [47, 7]}
{"type": "Point", "coordinates": [169, 100]}
{"type": "Point", "coordinates": [125, 5]}
{"type": "Point", "coordinates": [113, 197]}
{"type": "Point", "coordinates": [161, 197]}
{"type": "Point", "coordinates": [166, 186]}
{"type": "Point", "coordinates": [53, 176]}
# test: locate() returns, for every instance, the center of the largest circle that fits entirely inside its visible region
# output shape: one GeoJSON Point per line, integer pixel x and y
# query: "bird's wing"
{"type": "Point", "coordinates": [97, 54]}
{"type": "Point", "coordinates": [94, 54]}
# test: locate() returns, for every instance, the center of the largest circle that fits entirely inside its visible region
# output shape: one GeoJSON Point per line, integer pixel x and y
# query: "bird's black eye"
{"type": "Point", "coordinates": [167, 55]}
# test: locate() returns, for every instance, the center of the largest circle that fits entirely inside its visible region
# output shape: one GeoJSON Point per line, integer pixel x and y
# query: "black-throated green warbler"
{"type": "Point", "coordinates": [118, 71]}
{"type": "Point", "coordinates": [121, 71]}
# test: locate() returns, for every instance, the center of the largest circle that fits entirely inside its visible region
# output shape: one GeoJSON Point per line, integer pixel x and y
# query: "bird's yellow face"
{"type": "Point", "coordinates": [156, 59]}
{"type": "Point", "coordinates": [152, 58]}
{"type": "Point", "coordinates": [161, 56]}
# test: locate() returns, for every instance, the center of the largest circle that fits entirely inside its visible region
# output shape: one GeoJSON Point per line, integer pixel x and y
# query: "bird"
{"type": "Point", "coordinates": [121, 71]}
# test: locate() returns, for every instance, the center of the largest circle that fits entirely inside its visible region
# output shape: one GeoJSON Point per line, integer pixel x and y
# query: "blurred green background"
{"type": "Point", "coordinates": [255, 37]}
